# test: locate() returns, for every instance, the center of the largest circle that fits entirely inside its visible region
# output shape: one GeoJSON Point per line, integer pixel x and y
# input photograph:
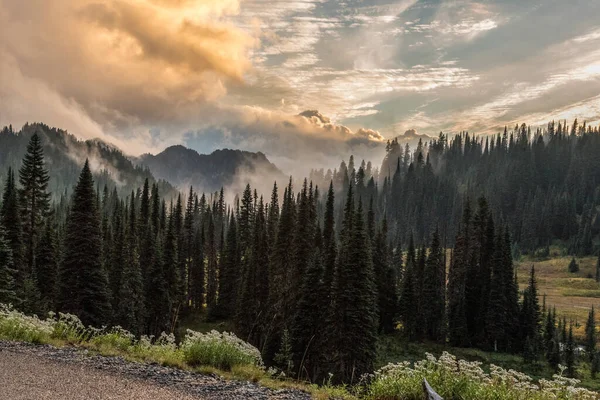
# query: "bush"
{"type": "Point", "coordinates": [163, 350]}
{"type": "Point", "coordinates": [68, 327]}
{"type": "Point", "coordinates": [116, 338]}
{"type": "Point", "coordinates": [18, 326]}
{"type": "Point", "coordinates": [460, 379]}
{"type": "Point", "coordinates": [219, 350]}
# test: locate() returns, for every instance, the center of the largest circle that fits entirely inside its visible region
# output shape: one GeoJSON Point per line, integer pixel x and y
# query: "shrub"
{"type": "Point", "coordinates": [163, 350]}
{"type": "Point", "coordinates": [15, 325]}
{"type": "Point", "coordinates": [219, 350]}
{"type": "Point", "coordinates": [460, 379]}
{"type": "Point", "coordinates": [69, 327]}
{"type": "Point", "coordinates": [115, 338]}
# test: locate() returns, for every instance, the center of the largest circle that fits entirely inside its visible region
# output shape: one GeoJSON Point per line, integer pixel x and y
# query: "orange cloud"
{"type": "Point", "coordinates": [125, 64]}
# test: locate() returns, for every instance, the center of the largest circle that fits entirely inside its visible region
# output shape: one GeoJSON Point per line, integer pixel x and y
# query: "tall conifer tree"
{"type": "Point", "coordinates": [82, 282]}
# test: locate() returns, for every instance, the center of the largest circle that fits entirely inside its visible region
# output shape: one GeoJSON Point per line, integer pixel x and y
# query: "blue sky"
{"type": "Point", "coordinates": [146, 74]}
{"type": "Point", "coordinates": [430, 65]}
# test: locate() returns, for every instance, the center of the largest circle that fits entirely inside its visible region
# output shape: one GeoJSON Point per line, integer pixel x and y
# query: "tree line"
{"type": "Point", "coordinates": [311, 279]}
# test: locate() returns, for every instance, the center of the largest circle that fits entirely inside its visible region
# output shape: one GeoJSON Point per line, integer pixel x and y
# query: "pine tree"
{"type": "Point", "coordinates": [47, 256]}
{"type": "Point", "coordinates": [228, 276]}
{"type": "Point", "coordinates": [182, 248]}
{"type": "Point", "coordinates": [34, 198]}
{"type": "Point", "coordinates": [254, 286]}
{"type": "Point", "coordinates": [7, 272]}
{"type": "Point", "coordinates": [245, 220]}
{"type": "Point", "coordinates": [497, 312]}
{"type": "Point", "coordinates": [353, 316]}
{"type": "Point", "coordinates": [303, 242]}
{"type": "Point", "coordinates": [158, 302]}
{"type": "Point", "coordinates": [82, 282]}
{"type": "Point", "coordinates": [131, 310]}
{"type": "Point", "coordinates": [457, 312]}
{"type": "Point", "coordinates": [171, 270]}
{"type": "Point", "coordinates": [530, 320]}
{"type": "Point", "coordinates": [590, 335]}
{"type": "Point", "coordinates": [197, 271]}
{"type": "Point", "coordinates": [190, 253]}
{"type": "Point", "coordinates": [549, 333]}
{"type": "Point", "coordinates": [408, 296]}
{"type": "Point", "coordinates": [386, 282]}
{"type": "Point", "coordinates": [573, 266]}
{"type": "Point", "coordinates": [211, 255]}
{"type": "Point", "coordinates": [434, 291]}
{"type": "Point", "coordinates": [284, 358]}
{"type": "Point", "coordinates": [281, 264]}
{"type": "Point", "coordinates": [570, 353]}
{"type": "Point", "coordinates": [10, 218]}
{"type": "Point", "coordinates": [598, 268]}
{"type": "Point", "coordinates": [307, 325]}
{"type": "Point", "coordinates": [329, 239]}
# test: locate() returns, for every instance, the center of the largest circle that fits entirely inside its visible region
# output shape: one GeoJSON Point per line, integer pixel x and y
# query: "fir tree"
{"type": "Point", "coordinates": [47, 257]}
{"type": "Point", "coordinates": [130, 311]}
{"type": "Point", "coordinates": [171, 270]}
{"type": "Point", "coordinates": [386, 282]}
{"type": "Point", "coordinates": [530, 320]}
{"type": "Point", "coordinates": [329, 239]}
{"type": "Point", "coordinates": [408, 296]}
{"type": "Point", "coordinates": [434, 291]}
{"type": "Point", "coordinates": [590, 335]}
{"type": "Point", "coordinates": [307, 326]}
{"type": "Point", "coordinates": [34, 198]}
{"type": "Point", "coordinates": [598, 268]}
{"type": "Point", "coordinates": [82, 283]}
{"type": "Point", "coordinates": [10, 218]}
{"type": "Point", "coordinates": [7, 272]}
{"type": "Point", "coordinates": [353, 313]}
{"type": "Point", "coordinates": [158, 302]}
{"type": "Point", "coordinates": [197, 272]}
{"type": "Point", "coordinates": [228, 277]}
{"type": "Point", "coordinates": [457, 312]}
{"type": "Point", "coordinates": [573, 266]}
{"type": "Point", "coordinates": [570, 353]}
{"type": "Point", "coordinates": [281, 265]}
{"type": "Point", "coordinates": [211, 254]}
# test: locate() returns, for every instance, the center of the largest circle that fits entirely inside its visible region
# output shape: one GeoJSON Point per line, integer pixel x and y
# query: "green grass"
{"type": "Point", "coordinates": [220, 350]}
{"type": "Point", "coordinates": [573, 294]}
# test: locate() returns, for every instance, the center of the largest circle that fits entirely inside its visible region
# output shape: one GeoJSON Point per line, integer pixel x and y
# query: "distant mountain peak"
{"type": "Point", "coordinates": [183, 166]}
{"type": "Point", "coordinates": [412, 134]}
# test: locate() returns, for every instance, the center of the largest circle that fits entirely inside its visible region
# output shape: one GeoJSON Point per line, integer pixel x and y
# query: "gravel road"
{"type": "Point", "coordinates": [29, 372]}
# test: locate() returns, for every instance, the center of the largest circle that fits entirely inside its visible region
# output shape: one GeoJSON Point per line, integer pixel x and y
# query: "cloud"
{"type": "Point", "coordinates": [123, 67]}
{"type": "Point", "coordinates": [295, 143]}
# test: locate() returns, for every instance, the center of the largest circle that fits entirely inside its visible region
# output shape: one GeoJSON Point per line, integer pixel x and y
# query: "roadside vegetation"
{"type": "Point", "coordinates": [225, 354]}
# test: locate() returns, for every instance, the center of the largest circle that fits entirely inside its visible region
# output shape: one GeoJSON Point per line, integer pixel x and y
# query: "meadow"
{"type": "Point", "coordinates": [573, 294]}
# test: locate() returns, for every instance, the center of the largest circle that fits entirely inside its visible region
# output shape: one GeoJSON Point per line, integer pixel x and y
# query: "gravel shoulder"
{"type": "Point", "coordinates": [44, 372]}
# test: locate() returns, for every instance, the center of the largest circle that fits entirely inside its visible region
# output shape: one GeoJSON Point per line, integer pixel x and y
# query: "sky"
{"type": "Point", "coordinates": [146, 74]}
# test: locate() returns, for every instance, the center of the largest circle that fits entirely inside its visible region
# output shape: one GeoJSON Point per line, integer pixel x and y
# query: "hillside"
{"type": "Point", "coordinates": [209, 172]}
{"type": "Point", "coordinates": [65, 155]}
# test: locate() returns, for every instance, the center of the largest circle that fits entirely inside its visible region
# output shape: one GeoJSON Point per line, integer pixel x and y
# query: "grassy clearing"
{"type": "Point", "coordinates": [573, 294]}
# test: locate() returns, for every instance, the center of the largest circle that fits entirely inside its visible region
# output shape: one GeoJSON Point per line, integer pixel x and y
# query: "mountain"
{"type": "Point", "coordinates": [209, 172]}
{"type": "Point", "coordinates": [65, 155]}
{"type": "Point", "coordinates": [412, 137]}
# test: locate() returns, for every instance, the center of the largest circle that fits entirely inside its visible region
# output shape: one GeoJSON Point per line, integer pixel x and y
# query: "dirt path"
{"type": "Point", "coordinates": [30, 372]}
